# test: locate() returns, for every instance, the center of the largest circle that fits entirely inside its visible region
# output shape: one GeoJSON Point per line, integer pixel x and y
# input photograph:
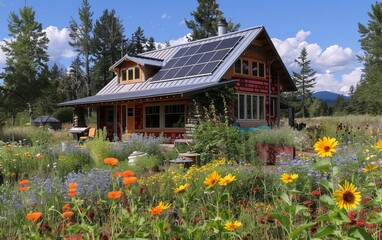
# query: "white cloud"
{"type": "Point", "coordinates": [165, 16]}
{"type": "Point", "coordinates": [174, 42]}
{"type": "Point", "coordinates": [58, 47]}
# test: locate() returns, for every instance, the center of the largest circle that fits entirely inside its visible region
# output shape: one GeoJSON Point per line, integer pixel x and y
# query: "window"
{"type": "Point", "coordinates": [152, 117]}
{"type": "Point", "coordinates": [245, 67]}
{"type": "Point", "coordinates": [123, 74]}
{"type": "Point", "coordinates": [137, 73]}
{"type": "Point", "coordinates": [254, 69]}
{"type": "Point", "coordinates": [174, 116]}
{"type": "Point", "coordinates": [238, 66]}
{"type": "Point", "coordinates": [261, 70]}
{"type": "Point", "coordinates": [258, 69]}
{"type": "Point", "coordinates": [250, 107]}
{"type": "Point", "coordinates": [131, 73]}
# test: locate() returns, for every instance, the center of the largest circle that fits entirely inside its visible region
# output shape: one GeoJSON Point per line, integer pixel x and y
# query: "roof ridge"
{"type": "Point", "coordinates": [204, 39]}
{"type": "Point", "coordinates": [140, 56]}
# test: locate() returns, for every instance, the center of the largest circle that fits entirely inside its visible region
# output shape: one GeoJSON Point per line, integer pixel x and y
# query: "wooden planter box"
{"type": "Point", "coordinates": [268, 153]}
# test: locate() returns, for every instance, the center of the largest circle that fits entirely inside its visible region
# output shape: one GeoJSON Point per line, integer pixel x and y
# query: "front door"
{"type": "Point", "coordinates": [130, 118]}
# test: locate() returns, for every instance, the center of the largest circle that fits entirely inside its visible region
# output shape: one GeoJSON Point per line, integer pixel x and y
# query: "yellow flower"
{"type": "Point", "coordinates": [325, 146]}
{"type": "Point", "coordinates": [287, 178]}
{"type": "Point", "coordinates": [181, 188]}
{"type": "Point", "coordinates": [379, 144]}
{"type": "Point", "coordinates": [227, 180]}
{"type": "Point", "coordinates": [347, 197]}
{"type": "Point", "coordinates": [369, 168]}
{"type": "Point", "coordinates": [232, 226]}
{"type": "Point", "coordinates": [212, 179]}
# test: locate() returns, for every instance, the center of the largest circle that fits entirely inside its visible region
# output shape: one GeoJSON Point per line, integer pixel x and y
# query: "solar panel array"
{"type": "Point", "coordinates": [196, 60]}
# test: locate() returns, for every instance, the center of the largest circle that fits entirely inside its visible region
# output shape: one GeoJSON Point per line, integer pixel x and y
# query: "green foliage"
{"type": "Point", "coordinates": [65, 115]}
{"type": "Point", "coordinates": [284, 136]}
{"type": "Point", "coordinates": [148, 162]}
{"type": "Point", "coordinates": [99, 147]}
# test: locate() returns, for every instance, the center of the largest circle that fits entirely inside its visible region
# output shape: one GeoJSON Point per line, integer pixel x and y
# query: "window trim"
{"type": "Point", "coordinates": [253, 117]}
{"type": "Point", "coordinates": [162, 116]}
{"type": "Point", "coordinates": [124, 70]}
{"type": "Point", "coordinates": [145, 115]}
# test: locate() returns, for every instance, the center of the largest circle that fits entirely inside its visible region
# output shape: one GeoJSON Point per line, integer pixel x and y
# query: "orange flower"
{"type": "Point", "coordinates": [128, 173]}
{"type": "Point", "coordinates": [66, 207]}
{"type": "Point", "coordinates": [23, 182]}
{"type": "Point", "coordinates": [72, 194]}
{"type": "Point", "coordinates": [72, 185]}
{"type": "Point", "coordinates": [111, 161]}
{"type": "Point", "coordinates": [159, 209]}
{"type": "Point", "coordinates": [129, 180]}
{"type": "Point", "coordinates": [67, 214]}
{"type": "Point", "coordinates": [117, 174]}
{"type": "Point", "coordinates": [34, 216]}
{"type": "Point", "coordinates": [23, 189]}
{"type": "Point", "coordinates": [114, 194]}
{"type": "Point", "coordinates": [72, 190]}
{"type": "Point", "coordinates": [39, 156]}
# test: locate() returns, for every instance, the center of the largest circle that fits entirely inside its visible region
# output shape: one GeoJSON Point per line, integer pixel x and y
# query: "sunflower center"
{"type": "Point", "coordinates": [326, 148]}
{"type": "Point", "coordinates": [348, 197]}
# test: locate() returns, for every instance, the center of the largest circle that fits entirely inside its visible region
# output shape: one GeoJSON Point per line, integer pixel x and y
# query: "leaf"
{"type": "Point", "coordinates": [327, 200]}
{"type": "Point", "coordinates": [298, 230]}
{"type": "Point", "coordinates": [323, 218]}
{"type": "Point", "coordinates": [322, 165]}
{"type": "Point", "coordinates": [323, 232]}
{"type": "Point", "coordinates": [327, 185]}
{"type": "Point", "coordinates": [284, 220]}
{"type": "Point", "coordinates": [375, 218]}
{"type": "Point", "coordinates": [286, 198]}
{"type": "Point", "coordinates": [335, 170]}
{"type": "Point", "coordinates": [359, 233]}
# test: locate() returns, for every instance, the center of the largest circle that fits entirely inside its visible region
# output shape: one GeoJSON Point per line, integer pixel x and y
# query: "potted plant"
{"type": "Point", "coordinates": [272, 143]}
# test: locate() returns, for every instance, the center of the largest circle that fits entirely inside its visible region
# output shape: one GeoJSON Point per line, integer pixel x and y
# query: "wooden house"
{"type": "Point", "coordinates": [153, 92]}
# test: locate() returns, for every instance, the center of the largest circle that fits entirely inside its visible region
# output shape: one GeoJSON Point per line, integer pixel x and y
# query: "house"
{"type": "Point", "coordinates": [153, 92]}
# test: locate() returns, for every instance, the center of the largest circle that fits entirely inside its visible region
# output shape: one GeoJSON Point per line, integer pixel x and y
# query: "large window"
{"type": "Point", "coordinates": [152, 117]}
{"type": "Point", "coordinates": [174, 116]}
{"type": "Point", "coordinates": [250, 107]}
{"type": "Point", "coordinates": [256, 69]}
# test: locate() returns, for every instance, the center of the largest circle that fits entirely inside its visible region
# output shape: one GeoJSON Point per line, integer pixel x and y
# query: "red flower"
{"type": "Point", "coordinates": [307, 203]}
{"type": "Point", "coordinates": [365, 200]}
{"type": "Point", "coordinates": [361, 222]}
{"type": "Point", "coordinates": [316, 192]}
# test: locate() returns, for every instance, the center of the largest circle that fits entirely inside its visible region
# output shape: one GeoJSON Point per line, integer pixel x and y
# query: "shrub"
{"type": "Point", "coordinates": [65, 115]}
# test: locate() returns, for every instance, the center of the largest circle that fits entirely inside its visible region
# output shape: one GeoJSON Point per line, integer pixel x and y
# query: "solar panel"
{"type": "Point", "coordinates": [199, 59]}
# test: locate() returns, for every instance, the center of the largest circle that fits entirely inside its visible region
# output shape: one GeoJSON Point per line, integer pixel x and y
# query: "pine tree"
{"type": "Point", "coordinates": [150, 46]}
{"type": "Point", "coordinates": [304, 80]}
{"type": "Point", "coordinates": [71, 83]}
{"type": "Point", "coordinates": [138, 42]}
{"type": "Point", "coordinates": [26, 59]}
{"type": "Point", "coordinates": [205, 23]}
{"type": "Point", "coordinates": [371, 44]}
{"type": "Point", "coordinates": [81, 35]}
{"type": "Point", "coordinates": [108, 43]}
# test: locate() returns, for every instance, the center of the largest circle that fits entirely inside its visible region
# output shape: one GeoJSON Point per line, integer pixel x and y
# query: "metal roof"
{"type": "Point", "coordinates": [147, 93]}
{"type": "Point", "coordinates": [115, 91]}
{"type": "Point", "coordinates": [140, 60]}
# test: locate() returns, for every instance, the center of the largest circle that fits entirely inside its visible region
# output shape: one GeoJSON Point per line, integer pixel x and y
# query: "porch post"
{"type": "Point", "coordinates": [278, 101]}
{"type": "Point", "coordinates": [115, 120]}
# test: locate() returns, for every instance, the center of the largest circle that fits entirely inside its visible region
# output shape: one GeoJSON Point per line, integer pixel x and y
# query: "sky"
{"type": "Point", "coordinates": [327, 28]}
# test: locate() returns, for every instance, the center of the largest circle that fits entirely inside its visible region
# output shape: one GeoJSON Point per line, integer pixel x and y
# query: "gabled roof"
{"type": "Point", "coordinates": [140, 60]}
{"type": "Point", "coordinates": [168, 86]}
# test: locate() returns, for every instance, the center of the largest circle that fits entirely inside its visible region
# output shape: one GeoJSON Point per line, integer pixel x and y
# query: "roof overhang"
{"type": "Point", "coordinates": [139, 60]}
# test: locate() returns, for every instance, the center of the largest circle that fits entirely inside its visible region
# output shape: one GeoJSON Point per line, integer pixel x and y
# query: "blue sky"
{"type": "Point", "coordinates": [327, 28]}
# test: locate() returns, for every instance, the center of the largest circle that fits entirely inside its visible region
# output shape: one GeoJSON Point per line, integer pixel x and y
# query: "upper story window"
{"type": "Point", "coordinates": [250, 68]}
{"type": "Point", "coordinates": [132, 73]}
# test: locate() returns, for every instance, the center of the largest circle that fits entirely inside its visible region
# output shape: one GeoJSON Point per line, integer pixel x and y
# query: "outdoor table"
{"type": "Point", "coordinates": [183, 161]}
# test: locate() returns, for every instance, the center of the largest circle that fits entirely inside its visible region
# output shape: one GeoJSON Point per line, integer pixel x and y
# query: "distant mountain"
{"type": "Point", "coordinates": [327, 96]}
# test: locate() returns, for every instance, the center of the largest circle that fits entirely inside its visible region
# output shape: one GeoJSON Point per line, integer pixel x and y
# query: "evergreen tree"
{"type": "Point", "coordinates": [371, 44]}
{"type": "Point", "coordinates": [138, 42]}
{"type": "Point", "coordinates": [150, 44]}
{"type": "Point", "coordinates": [205, 23]}
{"type": "Point", "coordinates": [304, 80]}
{"type": "Point", "coordinates": [81, 35]}
{"type": "Point", "coordinates": [71, 83]}
{"type": "Point", "coordinates": [108, 43]}
{"type": "Point", "coordinates": [26, 59]}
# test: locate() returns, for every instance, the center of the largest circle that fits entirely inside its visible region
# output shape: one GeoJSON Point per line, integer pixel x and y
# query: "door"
{"type": "Point", "coordinates": [130, 118]}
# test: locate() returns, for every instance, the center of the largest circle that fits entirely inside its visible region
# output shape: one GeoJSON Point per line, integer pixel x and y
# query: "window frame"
{"type": "Point", "coordinates": [239, 64]}
{"type": "Point", "coordinates": [162, 116]}
{"type": "Point", "coordinates": [176, 113]}
{"type": "Point", "coordinates": [146, 114]}
{"type": "Point", "coordinates": [242, 99]}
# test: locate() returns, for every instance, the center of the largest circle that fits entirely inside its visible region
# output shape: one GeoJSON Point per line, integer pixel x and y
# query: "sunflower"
{"type": "Point", "coordinates": [232, 226]}
{"type": "Point", "coordinates": [347, 197]}
{"type": "Point", "coordinates": [181, 188]}
{"type": "Point", "coordinates": [287, 178]}
{"type": "Point", "coordinates": [379, 144]}
{"type": "Point", "coordinates": [34, 216]}
{"type": "Point", "coordinates": [369, 168]}
{"type": "Point", "coordinates": [159, 208]}
{"type": "Point", "coordinates": [114, 194]}
{"type": "Point", "coordinates": [325, 146]}
{"type": "Point", "coordinates": [212, 179]}
{"type": "Point", "coordinates": [227, 180]}
{"type": "Point", "coordinates": [111, 161]}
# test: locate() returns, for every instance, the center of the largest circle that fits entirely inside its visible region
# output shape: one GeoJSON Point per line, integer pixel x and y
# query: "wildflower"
{"type": "Point", "coordinates": [72, 194]}
{"type": "Point", "coordinates": [181, 188]}
{"type": "Point", "coordinates": [72, 185]}
{"type": "Point", "coordinates": [111, 161]}
{"type": "Point", "coordinates": [66, 207]}
{"type": "Point", "coordinates": [67, 214]}
{"type": "Point", "coordinates": [129, 180]}
{"type": "Point", "coordinates": [287, 178]}
{"type": "Point", "coordinates": [128, 173]}
{"type": "Point", "coordinates": [347, 197]}
{"type": "Point", "coordinates": [39, 156]}
{"type": "Point", "coordinates": [117, 174]}
{"type": "Point", "coordinates": [23, 189]}
{"type": "Point", "coordinates": [369, 168]}
{"type": "Point", "coordinates": [159, 208]}
{"type": "Point", "coordinates": [212, 179]}
{"type": "Point", "coordinates": [114, 194]}
{"type": "Point", "coordinates": [325, 146]}
{"type": "Point", "coordinates": [379, 145]}
{"type": "Point", "coordinates": [232, 226]}
{"type": "Point", "coordinates": [316, 192]}
{"type": "Point", "coordinates": [227, 180]}
{"type": "Point", "coordinates": [23, 182]}
{"type": "Point", "coordinates": [34, 216]}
